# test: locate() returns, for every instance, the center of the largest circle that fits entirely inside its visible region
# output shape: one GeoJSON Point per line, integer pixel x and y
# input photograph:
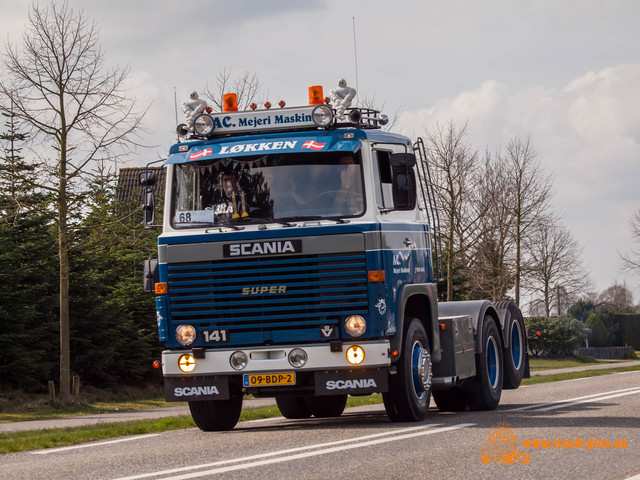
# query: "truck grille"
{"type": "Point", "coordinates": [270, 301]}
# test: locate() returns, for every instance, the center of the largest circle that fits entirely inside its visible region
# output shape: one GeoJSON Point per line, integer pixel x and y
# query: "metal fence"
{"type": "Point", "coordinates": [605, 352]}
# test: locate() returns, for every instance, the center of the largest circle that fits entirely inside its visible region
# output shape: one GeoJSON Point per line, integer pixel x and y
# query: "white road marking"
{"type": "Point", "coordinates": [356, 442]}
{"type": "Point", "coordinates": [554, 407]}
{"type": "Point", "coordinates": [97, 444]}
{"type": "Point", "coordinates": [539, 405]}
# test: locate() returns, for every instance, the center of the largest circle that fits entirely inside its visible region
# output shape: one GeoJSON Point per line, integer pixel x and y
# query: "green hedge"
{"type": "Point", "coordinates": [629, 329]}
{"type": "Point", "coordinates": [557, 336]}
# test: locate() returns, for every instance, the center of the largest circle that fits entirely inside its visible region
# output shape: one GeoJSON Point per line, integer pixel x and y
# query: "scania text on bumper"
{"type": "Point", "coordinates": [327, 382]}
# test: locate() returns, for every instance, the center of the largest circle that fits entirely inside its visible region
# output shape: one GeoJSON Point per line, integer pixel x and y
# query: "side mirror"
{"type": "Point", "coordinates": [402, 160]}
{"type": "Point", "coordinates": [147, 178]}
{"type": "Point", "coordinates": [404, 188]}
{"type": "Point", "coordinates": [150, 275]}
{"type": "Point", "coordinates": [148, 207]}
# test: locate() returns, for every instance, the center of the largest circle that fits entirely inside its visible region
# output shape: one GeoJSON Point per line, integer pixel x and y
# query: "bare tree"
{"type": "Point", "coordinates": [619, 296]}
{"type": "Point", "coordinates": [529, 193]}
{"type": "Point", "coordinates": [491, 271]}
{"type": "Point", "coordinates": [247, 87]}
{"type": "Point", "coordinates": [456, 179]}
{"type": "Point", "coordinates": [556, 276]}
{"type": "Point", "coordinates": [74, 106]}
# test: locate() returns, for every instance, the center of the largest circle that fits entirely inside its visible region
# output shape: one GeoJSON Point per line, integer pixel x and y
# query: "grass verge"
{"type": "Point", "coordinates": [39, 439]}
{"type": "Point", "coordinates": [538, 364]}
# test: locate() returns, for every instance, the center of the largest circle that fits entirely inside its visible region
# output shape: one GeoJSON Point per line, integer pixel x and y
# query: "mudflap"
{"type": "Point", "coordinates": [193, 389]}
{"type": "Point", "coordinates": [352, 382]}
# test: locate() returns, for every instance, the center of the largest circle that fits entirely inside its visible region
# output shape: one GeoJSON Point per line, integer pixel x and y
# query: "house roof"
{"type": "Point", "coordinates": [129, 182]}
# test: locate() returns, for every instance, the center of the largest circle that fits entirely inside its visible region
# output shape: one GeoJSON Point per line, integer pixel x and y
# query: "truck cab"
{"type": "Point", "coordinates": [296, 261]}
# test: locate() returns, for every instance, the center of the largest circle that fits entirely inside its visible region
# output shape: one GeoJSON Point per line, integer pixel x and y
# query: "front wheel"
{"type": "Point", "coordinates": [410, 388]}
{"type": "Point", "coordinates": [216, 415]}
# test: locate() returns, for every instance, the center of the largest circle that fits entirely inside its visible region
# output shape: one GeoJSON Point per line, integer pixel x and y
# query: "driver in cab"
{"type": "Point", "coordinates": [348, 199]}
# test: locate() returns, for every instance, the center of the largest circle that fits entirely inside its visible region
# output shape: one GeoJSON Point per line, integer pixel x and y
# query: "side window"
{"type": "Point", "coordinates": [395, 184]}
{"type": "Point", "coordinates": [384, 180]}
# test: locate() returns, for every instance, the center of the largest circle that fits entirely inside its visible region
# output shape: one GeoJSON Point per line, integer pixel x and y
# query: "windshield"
{"type": "Point", "coordinates": [266, 188]}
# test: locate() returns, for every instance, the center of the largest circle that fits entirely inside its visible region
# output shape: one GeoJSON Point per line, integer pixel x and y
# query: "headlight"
{"type": "Point", "coordinates": [322, 115]}
{"type": "Point", "coordinates": [297, 357]}
{"type": "Point", "coordinates": [203, 125]}
{"type": "Point", "coordinates": [238, 360]}
{"type": "Point", "coordinates": [355, 325]}
{"type": "Point", "coordinates": [185, 334]}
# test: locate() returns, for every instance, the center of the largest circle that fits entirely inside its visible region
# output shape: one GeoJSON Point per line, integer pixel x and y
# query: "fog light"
{"type": "Point", "coordinates": [355, 355]}
{"type": "Point", "coordinates": [185, 334]}
{"type": "Point", "coordinates": [355, 325]}
{"type": "Point", "coordinates": [297, 357]}
{"type": "Point", "coordinates": [238, 360]}
{"type": "Point", "coordinates": [186, 363]}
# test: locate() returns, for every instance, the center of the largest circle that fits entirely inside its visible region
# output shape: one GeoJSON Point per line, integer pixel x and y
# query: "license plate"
{"type": "Point", "coordinates": [269, 379]}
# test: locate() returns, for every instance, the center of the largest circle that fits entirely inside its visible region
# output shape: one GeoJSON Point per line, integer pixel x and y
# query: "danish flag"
{"type": "Point", "coordinates": [313, 145]}
{"type": "Point", "coordinates": [200, 154]}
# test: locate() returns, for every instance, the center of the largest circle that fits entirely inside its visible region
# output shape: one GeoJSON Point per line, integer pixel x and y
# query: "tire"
{"type": "Point", "coordinates": [293, 406]}
{"type": "Point", "coordinates": [484, 390]}
{"type": "Point", "coordinates": [452, 400]}
{"type": "Point", "coordinates": [216, 415]}
{"type": "Point", "coordinates": [515, 355]}
{"type": "Point", "coordinates": [327, 405]}
{"type": "Point", "coordinates": [410, 388]}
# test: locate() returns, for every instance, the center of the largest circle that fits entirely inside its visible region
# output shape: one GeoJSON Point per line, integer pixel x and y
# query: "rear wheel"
{"type": "Point", "coordinates": [216, 415]}
{"type": "Point", "coordinates": [515, 353]}
{"type": "Point", "coordinates": [410, 388]}
{"type": "Point", "coordinates": [484, 390]}
{"type": "Point", "coordinates": [293, 406]}
{"type": "Point", "coordinates": [327, 405]}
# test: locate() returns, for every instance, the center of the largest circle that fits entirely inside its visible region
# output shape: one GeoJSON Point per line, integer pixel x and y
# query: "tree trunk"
{"type": "Point", "coordinates": [63, 256]}
{"type": "Point", "coordinates": [65, 347]}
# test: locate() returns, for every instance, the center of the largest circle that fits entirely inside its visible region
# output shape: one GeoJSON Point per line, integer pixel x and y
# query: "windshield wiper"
{"type": "Point", "coordinates": [313, 218]}
{"type": "Point", "coordinates": [226, 224]}
{"type": "Point", "coordinates": [262, 221]}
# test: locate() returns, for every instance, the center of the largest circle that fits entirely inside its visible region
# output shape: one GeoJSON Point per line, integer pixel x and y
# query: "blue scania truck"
{"type": "Point", "coordinates": [299, 259]}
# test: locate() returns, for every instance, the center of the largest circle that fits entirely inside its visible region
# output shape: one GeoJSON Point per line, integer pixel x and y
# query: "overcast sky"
{"type": "Point", "coordinates": [565, 73]}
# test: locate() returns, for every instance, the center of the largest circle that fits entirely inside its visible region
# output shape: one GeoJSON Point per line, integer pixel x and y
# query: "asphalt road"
{"type": "Point", "coordinates": [578, 418]}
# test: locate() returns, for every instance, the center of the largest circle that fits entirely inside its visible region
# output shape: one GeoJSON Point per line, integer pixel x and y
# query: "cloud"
{"type": "Point", "coordinates": [587, 134]}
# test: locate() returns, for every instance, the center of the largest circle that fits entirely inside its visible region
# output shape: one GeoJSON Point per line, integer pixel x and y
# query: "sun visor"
{"type": "Point", "coordinates": [263, 146]}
